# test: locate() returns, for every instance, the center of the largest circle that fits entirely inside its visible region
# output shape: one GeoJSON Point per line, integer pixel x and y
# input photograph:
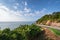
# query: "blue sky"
{"type": "Point", "coordinates": [27, 10]}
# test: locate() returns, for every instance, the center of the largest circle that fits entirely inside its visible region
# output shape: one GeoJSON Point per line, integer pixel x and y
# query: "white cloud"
{"type": "Point", "coordinates": [36, 13]}
{"type": "Point", "coordinates": [25, 3]}
{"type": "Point", "coordinates": [43, 10]}
{"type": "Point", "coordinates": [9, 15]}
{"type": "Point", "coordinates": [30, 14]}
{"type": "Point", "coordinates": [20, 15]}
{"type": "Point", "coordinates": [27, 9]}
{"type": "Point", "coordinates": [16, 5]}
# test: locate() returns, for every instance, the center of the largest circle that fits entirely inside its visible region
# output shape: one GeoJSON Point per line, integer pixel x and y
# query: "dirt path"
{"type": "Point", "coordinates": [45, 26]}
{"type": "Point", "coordinates": [50, 34]}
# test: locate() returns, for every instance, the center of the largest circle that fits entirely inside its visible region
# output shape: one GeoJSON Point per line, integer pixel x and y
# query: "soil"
{"type": "Point", "coordinates": [53, 23]}
{"type": "Point", "coordinates": [51, 35]}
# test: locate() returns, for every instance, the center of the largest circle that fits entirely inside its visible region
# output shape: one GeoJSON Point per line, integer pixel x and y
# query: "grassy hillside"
{"type": "Point", "coordinates": [54, 17]}
{"type": "Point", "coordinates": [57, 32]}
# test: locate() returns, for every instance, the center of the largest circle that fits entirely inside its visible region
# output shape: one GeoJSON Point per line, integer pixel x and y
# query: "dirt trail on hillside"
{"type": "Point", "coordinates": [51, 35]}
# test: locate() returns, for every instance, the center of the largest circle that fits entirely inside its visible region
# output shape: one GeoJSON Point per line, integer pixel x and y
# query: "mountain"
{"type": "Point", "coordinates": [50, 19]}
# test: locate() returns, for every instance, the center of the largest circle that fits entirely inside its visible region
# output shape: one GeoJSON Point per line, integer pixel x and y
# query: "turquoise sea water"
{"type": "Point", "coordinates": [12, 25]}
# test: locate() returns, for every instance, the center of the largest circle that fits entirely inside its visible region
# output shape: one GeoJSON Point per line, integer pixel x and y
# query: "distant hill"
{"type": "Point", "coordinates": [46, 19]}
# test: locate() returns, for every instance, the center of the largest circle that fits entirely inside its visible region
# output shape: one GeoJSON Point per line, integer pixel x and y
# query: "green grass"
{"type": "Point", "coordinates": [57, 32]}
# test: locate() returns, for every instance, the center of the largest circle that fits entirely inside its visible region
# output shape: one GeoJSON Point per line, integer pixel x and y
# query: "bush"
{"type": "Point", "coordinates": [23, 32]}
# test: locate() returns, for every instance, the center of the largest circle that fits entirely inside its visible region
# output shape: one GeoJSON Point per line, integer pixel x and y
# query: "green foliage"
{"type": "Point", "coordinates": [57, 32]}
{"type": "Point", "coordinates": [5, 34]}
{"type": "Point", "coordinates": [23, 32]}
{"type": "Point", "coordinates": [28, 31]}
{"type": "Point", "coordinates": [55, 16]}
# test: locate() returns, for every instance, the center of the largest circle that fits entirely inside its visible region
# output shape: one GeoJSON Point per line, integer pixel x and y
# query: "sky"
{"type": "Point", "coordinates": [27, 10]}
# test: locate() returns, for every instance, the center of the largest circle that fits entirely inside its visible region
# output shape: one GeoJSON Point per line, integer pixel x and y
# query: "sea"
{"type": "Point", "coordinates": [12, 25]}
